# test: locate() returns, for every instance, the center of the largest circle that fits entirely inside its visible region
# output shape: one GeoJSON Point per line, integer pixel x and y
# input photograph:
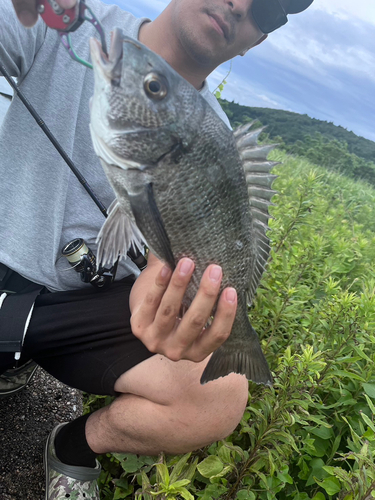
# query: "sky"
{"type": "Point", "coordinates": [322, 63]}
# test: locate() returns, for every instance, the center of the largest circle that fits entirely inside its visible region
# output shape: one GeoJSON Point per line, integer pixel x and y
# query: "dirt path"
{"type": "Point", "coordinates": [25, 422]}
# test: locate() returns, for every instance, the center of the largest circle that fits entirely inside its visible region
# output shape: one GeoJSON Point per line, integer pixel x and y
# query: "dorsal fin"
{"type": "Point", "coordinates": [259, 183]}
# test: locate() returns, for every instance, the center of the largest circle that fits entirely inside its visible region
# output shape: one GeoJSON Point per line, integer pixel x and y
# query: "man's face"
{"type": "Point", "coordinates": [214, 31]}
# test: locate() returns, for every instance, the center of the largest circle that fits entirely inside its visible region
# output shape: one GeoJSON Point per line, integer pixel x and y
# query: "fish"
{"type": "Point", "coordinates": [185, 183]}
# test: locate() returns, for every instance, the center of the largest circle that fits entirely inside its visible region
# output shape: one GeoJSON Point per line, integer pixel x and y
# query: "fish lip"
{"type": "Point", "coordinates": [109, 63]}
{"type": "Point", "coordinates": [115, 50]}
{"type": "Point", "coordinates": [223, 25]}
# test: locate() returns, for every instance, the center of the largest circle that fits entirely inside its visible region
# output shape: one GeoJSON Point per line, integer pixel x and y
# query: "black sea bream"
{"type": "Point", "coordinates": [185, 183]}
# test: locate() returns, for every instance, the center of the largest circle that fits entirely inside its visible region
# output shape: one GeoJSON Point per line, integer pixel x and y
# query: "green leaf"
{"type": "Point", "coordinates": [322, 432]}
{"type": "Point", "coordinates": [212, 491]}
{"type": "Point", "coordinates": [346, 374]}
{"type": "Point", "coordinates": [122, 483]}
{"type": "Point", "coordinates": [120, 494]}
{"type": "Point", "coordinates": [186, 494]}
{"type": "Point", "coordinates": [330, 484]}
{"type": "Point", "coordinates": [225, 455]}
{"type": "Point", "coordinates": [179, 484]}
{"type": "Point", "coordinates": [321, 446]}
{"type": "Point", "coordinates": [368, 421]}
{"type": "Point", "coordinates": [163, 473]}
{"type": "Point", "coordinates": [285, 478]}
{"type": "Point", "coordinates": [369, 390]}
{"type": "Point", "coordinates": [317, 471]}
{"type": "Point", "coordinates": [362, 355]}
{"type": "Point", "coordinates": [245, 495]}
{"type": "Point", "coordinates": [210, 466]}
{"type": "Point", "coordinates": [177, 469]}
{"type": "Point", "coordinates": [223, 473]}
{"type": "Point", "coordinates": [319, 496]}
{"type": "Point", "coordinates": [131, 463]}
{"type": "Point", "coordinates": [370, 404]}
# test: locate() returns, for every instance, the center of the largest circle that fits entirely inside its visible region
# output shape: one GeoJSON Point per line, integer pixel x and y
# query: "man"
{"type": "Point", "coordinates": [104, 342]}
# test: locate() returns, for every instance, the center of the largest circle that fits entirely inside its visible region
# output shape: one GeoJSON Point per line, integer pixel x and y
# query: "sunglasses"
{"type": "Point", "coordinates": [268, 15]}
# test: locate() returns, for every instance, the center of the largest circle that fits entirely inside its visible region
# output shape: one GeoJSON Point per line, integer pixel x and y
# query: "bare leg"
{"type": "Point", "coordinates": [163, 407]}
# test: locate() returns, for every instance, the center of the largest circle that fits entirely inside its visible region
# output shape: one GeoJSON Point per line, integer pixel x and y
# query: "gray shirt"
{"type": "Point", "coordinates": [42, 204]}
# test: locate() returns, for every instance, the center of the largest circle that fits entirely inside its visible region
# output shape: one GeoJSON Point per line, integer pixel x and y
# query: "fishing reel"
{"type": "Point", "coordinates": [83, 261]}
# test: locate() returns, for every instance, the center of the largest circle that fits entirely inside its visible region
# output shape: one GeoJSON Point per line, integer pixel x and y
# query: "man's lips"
{"type": "Point", "coordinates": [220, 25]}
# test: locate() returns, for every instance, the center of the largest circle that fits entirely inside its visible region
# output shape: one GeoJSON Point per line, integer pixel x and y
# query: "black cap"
{"type": "Point", "coordinates": [295, 6]}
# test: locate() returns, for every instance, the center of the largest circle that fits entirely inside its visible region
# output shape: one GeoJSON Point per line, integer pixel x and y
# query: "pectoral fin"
{"type": "Point", "coordinates": [117, 235]}
{"type": "Point", "coordinates": [150, 222]}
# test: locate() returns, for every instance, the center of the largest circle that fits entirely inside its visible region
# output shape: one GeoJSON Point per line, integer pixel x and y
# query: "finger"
{"type": "Point", "coordinates": [26, 12]}
{"type": "Point", "coordinates": [195, 319]}
{"type": "Point", "coordinates": [169, 309]}
{"type": "Point", "coordinates": [214, 336]}
{"type": "Point", "coordinates": [144, 315]}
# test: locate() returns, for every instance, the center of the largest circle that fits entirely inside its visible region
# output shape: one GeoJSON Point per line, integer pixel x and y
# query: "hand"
{"type": "Point", "coordinates": [27, 13]}
{"type": "Point", "coordinates": [155, 320]}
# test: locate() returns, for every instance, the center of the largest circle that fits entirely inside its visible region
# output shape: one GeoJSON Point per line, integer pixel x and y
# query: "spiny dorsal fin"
{"type": "Point", "coordinates": [259, 184]}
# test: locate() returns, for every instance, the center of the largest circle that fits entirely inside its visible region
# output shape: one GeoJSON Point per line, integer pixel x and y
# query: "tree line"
{"type": "Point", "coordinates": [321, 142]}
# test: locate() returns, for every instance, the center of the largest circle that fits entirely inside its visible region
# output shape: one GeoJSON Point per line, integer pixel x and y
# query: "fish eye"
{"type": "Point", "coordinates": [155, 86]}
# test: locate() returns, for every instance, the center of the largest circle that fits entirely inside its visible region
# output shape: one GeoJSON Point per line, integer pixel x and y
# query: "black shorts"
{"type": "Point", "coordinates": [83, 337]}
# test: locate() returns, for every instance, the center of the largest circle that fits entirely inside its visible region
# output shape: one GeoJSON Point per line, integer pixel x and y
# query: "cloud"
{"type": "Point", "coordinates": [347, 9]}
{"type": "Point", "coordinates": [324, 43]}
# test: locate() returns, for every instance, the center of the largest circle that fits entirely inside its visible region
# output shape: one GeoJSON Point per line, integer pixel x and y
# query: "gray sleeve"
{"type": "Point", "coordinates": [18, 45]}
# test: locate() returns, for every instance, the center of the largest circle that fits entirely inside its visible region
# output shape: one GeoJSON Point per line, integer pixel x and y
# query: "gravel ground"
{"type": "Point", "coordinates": [26, 419]}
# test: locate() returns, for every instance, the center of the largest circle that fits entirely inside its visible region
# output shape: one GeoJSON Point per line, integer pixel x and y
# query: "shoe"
{"type": "Point", "coordinates": [13, 381]}
{"type": "Point", "coordinates": [68, 481]}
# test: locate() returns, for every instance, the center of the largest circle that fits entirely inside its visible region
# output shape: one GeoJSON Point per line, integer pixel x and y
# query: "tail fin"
{"type": "Point", "coordinates": [244, 356]}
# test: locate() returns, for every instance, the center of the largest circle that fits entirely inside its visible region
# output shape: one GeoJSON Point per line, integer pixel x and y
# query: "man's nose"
{"type": "Point", "coordinates": [239, 8]}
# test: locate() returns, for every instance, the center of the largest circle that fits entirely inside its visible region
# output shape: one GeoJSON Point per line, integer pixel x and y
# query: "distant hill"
{"type": "Point", "coordinates": [293, 127]}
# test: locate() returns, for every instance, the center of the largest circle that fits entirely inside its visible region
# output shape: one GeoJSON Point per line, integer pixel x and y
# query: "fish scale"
{"type": "Point", "coordinates": [188, 184]}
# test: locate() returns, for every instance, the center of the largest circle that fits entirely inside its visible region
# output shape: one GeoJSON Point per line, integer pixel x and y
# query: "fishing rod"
{"type": "Point", "coordinates": [53, 140]}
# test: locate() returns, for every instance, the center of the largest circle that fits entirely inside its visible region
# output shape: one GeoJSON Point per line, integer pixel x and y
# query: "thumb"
{"type": "Point", "coordinates": [26, 12]}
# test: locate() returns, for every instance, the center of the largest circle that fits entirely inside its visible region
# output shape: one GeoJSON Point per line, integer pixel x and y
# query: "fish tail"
{"type": "Point", "coordinates": [244, 357]}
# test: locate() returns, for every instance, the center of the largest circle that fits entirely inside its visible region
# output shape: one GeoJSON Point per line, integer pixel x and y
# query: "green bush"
{"type": "Point", "coordinates": [311, 436]}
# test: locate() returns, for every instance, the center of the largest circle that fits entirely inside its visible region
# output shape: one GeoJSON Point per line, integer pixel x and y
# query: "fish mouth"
{"type": "Point", "coordinates": [111, 64]}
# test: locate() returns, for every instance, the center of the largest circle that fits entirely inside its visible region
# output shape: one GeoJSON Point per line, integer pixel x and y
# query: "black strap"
{"type": "Point", "coordinates": [20, 294]}
{"type": "Point", "coordinates": [13, 316]}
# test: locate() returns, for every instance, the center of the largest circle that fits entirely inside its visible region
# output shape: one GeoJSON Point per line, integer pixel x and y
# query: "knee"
{"type": "Point", "coordinates": [208, 413]}
{"type": "Point", "coordinates": [224, 407]}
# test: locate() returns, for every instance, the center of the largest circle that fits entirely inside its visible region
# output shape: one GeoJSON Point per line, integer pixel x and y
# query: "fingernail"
{"type": "Point", "coordinates": [215, 273]}
{"type": "Point", "coordinates": [27, 18]}
{"type": "Point", "coordinates": [231, 295]}
{"type": "Point", "coordinates": [67, 4]}
{"type": "Point", "coordinates": [165, 271]}
{"type": "Point", "coordinates": [185, 267]}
